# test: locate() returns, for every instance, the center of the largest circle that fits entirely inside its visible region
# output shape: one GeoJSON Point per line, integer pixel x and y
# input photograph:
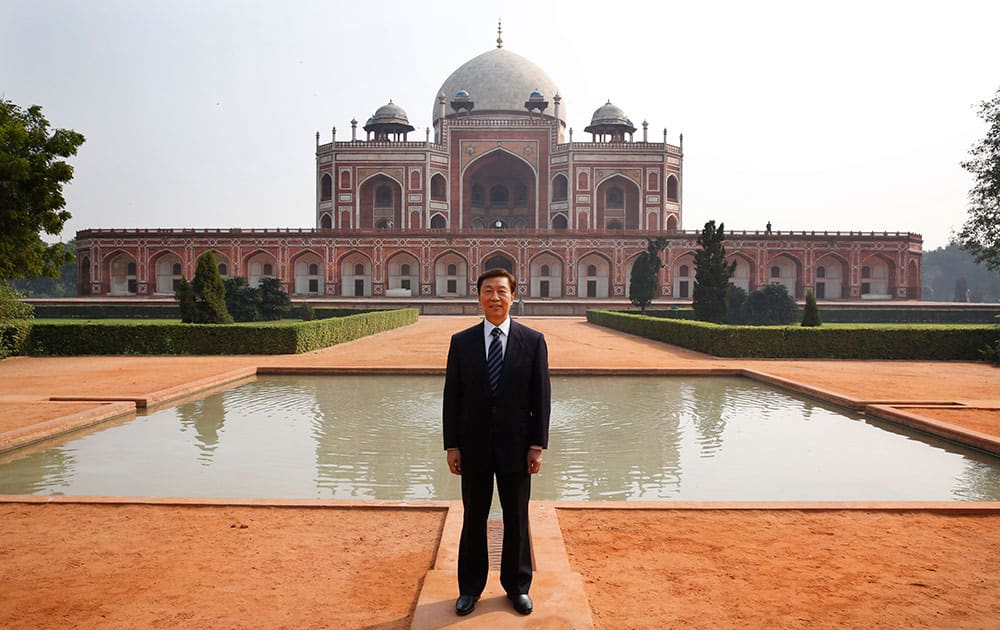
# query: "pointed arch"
{"type": "Point", "coordinates": [831, 277]}
{"type": "Point", "coordinates": [451, 271]}
{"type": "Point", "coordinates": [617, 199]}
{"type": "Point", "coordinates": [594, 275]}
{"type": "Point", "coordinates": [786, 269]}
{"type": "Point", "coordinates": [120, 269]}
{"type": "Point", "coordinates": [404, 273]}
{"type": "Point", "coordinates": [743, 275]}
{"type": "Point", "coordinates": [260, 264]}
{"type": "Point", "coordinates": [308, 271]}
{"type": "Point", "coordinates": [355, 274]}
{"type": "Point", "coordinates": [545, 275]}
{"type": "Point", "coordinates": [168, 269]}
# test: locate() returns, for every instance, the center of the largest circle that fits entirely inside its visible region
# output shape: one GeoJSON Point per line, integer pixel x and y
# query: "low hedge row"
{"type": "Point", "coordinates": [166, 310]}
{"type": "Point", "coordinates": [151, 337]}
{"type": "Point", "coordinates": [932, 343]}
{"type": "Point", "coordinates": [837, 315]}
{"type": "Point", "coordinates": [110, 310]}
{"type": "Point", "coordinates": [12, 336]}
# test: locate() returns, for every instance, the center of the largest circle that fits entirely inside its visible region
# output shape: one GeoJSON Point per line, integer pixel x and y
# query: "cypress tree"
{"type": "Point", "coordinates": [711, 276]}
{"type": "Point", "coordinates": [209, 293]}
{"type": "Point", "coordinates": [811, 316]}
{"type": "Point", "coordinates": [642, 282]}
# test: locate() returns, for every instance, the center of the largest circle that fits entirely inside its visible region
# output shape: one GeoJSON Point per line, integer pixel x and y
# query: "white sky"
{"type": "Point", "coordinates": [202, 113]}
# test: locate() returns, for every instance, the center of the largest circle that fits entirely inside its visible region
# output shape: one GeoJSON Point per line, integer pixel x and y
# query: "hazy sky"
{"type": "Point", "coordinates": [203, 113]}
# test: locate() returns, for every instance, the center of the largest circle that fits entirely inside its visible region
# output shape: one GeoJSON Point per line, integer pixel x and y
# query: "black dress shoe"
{"type": "Point", "coordinates": [465, 604]}
{"type": "Point", "coordinates": [522, 603]}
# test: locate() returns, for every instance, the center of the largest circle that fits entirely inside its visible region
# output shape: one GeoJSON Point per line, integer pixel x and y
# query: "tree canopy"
{"type": "Point", "coordinates": [711, 275]}
{"type": "Point", "coordinates": [31, 199]}
{"type": "Point", "coordinates": [647, 265]}
{"type": "Point", "coordinates": [981, 233]}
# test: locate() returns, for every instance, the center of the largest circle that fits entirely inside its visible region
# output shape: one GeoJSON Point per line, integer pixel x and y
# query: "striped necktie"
{"type": "Point", "coordinates": [494, 360]}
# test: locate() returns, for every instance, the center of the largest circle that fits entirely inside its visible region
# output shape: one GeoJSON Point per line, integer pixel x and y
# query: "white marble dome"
{"type": "Point", "coordinates": [499, 80]}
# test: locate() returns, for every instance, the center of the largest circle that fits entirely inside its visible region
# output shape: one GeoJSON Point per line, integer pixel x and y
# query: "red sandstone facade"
{"type": "Point", "coordinates": [497, 186]}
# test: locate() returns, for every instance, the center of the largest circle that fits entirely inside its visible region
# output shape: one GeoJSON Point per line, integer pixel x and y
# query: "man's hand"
{"type": "Point", "coordinates": [455, 461]}
{"type": "Point", "coordinates": [534, 460]}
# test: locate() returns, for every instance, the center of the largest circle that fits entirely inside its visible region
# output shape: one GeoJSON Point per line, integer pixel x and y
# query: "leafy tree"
{"type": "Point", "coordinates": [274, 301]}
{"type": "Point", "coordinates": [981, 233]}
{"type": "Point", "coordinates": [961, 290]}
{"type": "Point", "coordinates": [736, 298]}
{"type": "Point", "coordinates": [642, 283]}
{"type": "Point", "coordinates": [63, 285]}
{"type": "Point", "coordinates": [209, 292]}
{"type": "Point", "coordinates": [771, 305]}
{"type": "Point", "coordinates": [11, 306]}
{"type": "Point", "coordinates": [31, 199]}
{"type": "Point", "coordinates": [242, 300]}
{"type": "Point", "coordinates": [184, 294]}
{"type": "Point", "coordinates": [941, 268]}
{"type": "Point", "coordinates": [711, 276]}
{"type": "Point", "coordinates": [811, 316]}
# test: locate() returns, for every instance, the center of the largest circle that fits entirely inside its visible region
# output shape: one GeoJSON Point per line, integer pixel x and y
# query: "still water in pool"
{"type": "Point", "coordinates": [612, 438]}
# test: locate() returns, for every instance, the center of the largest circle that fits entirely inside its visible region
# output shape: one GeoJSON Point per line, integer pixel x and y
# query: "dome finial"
{"type": "Point", "coordinates": [499, 33]}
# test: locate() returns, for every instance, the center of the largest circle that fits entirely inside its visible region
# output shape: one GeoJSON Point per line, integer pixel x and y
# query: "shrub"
{"type": "Point", "coordinates": [13, 334]}
{"type": "Point", "coordinates": [274, 301]}
{"type": "Point", "coordinates": [11, 306]}
{"type": "Point", "coordinates": [184, 294]}
{"type": "Point", "coordinates": [811, 316]}
{"type": "Point", "coordinates": [737, 299]}
{"type": "Point", "coordinates": [771, 305]}
{"type": "Point", "coordinates": [308, 313]}
{"type": "Point", "coordinates": [209, 293]}
{"type": "Point", "coordinates": [242, 300]}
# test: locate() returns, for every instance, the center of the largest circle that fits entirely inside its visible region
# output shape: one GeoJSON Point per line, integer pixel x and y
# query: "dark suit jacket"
{"type": "Point", "coordinates": [494, 433]}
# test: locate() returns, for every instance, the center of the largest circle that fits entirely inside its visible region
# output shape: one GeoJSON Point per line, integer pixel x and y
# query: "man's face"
{"type": "Point", "coordinates": [496, 297]}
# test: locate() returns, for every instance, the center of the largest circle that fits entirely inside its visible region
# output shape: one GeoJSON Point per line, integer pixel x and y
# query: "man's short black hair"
{"type": "Point", "coordinates": [497, 272]}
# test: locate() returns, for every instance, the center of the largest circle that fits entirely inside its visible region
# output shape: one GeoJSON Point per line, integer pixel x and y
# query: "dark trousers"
{"type": "Point", "coordinates": [514, 490]}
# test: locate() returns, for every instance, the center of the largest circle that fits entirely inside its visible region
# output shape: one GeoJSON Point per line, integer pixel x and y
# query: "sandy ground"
{"type": "Point", "coordinates": [786, 569]}
{"type": "Point", "coordinates": [129, 566]}
{"type": "Point", "coordinates": [157, 566]}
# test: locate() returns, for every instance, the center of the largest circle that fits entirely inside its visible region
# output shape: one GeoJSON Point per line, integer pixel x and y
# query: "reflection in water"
{"type": "Point", "coordinates": [206, 417]}
{"type": "Point", "coordinates": [612, 438]}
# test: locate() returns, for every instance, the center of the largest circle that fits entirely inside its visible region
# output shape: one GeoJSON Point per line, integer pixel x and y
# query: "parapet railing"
{"type": "Point", "coordinates": [489, 232]}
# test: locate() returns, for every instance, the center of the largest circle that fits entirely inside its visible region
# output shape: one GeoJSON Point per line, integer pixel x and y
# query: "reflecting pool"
{"type": "Point", "coordinates": [612, 438]}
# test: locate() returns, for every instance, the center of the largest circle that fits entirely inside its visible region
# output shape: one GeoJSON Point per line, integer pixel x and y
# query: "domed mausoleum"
{"type": "Point", "coordinates": [497, 180]}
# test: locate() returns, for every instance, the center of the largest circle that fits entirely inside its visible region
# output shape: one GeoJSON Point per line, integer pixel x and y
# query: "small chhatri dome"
{"type": "Point", "coordinates": [610, 124]}
{"type": "Point", "coordinates": [462, 102]}
{"type": "Point", "coordinates": [391, 113]}
{"type": "Point", "coordinates": [609, 114]}
{"type": "Point", "coordinates": [390, 119]}
{"type": "Point", "coordinates": [536, 101]}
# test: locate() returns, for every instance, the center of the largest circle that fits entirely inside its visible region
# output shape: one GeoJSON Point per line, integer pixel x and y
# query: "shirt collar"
{"type": "Point", "coordinates": [504, 326]}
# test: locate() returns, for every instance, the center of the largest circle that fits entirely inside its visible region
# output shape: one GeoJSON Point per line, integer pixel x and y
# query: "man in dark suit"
{"type": "Point", "coordinates": [496, 423]}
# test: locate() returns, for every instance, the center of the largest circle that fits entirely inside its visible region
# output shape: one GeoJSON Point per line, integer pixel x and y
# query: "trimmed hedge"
{"type": "Point", "coordinates": [831, 314]}
{"type": "Point", "coordinates": [13, 334]}
{"type": "Point", "coordinates": [928, 343]}
{"type": "Point", "coordinates": [166, 310]}
{"type": "Point", "coordinates": [150, 337]}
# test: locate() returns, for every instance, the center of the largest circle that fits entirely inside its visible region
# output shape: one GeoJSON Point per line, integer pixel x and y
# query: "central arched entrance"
{"type": "Point", "coordinates": [498, 191]}
{"type": "Point", "coordinates": [499, 261]}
